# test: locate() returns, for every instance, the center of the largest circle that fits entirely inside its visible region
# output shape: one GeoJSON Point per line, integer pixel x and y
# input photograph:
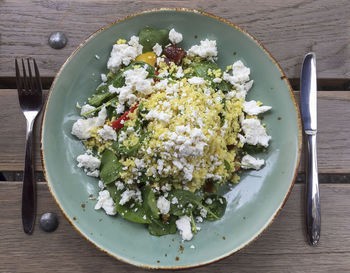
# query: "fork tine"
{"type": "Point", "coordinates": [30, 79]}
{"type": "Point", "coordinates": [25, 80]}
{"type": "Point", "coordinates": [37, 78]}
{"type": "Point", "coordinates": [18, 78]}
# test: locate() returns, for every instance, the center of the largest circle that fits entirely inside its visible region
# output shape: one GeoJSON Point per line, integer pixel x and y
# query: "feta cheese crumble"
{"type": "Point", "coordinates": [196, 80]}
{"type": "Point", "coordinates": [249, 162]}
{"type": "Point", "coordinates": [254, 132]}
{"type": "Point", "coordinates": [175, 37]}
{"type": "Point", "coordinates": [82, 127]}
{"type": "Point", "coordinates": [183, 224]}
{"type": "Point", "coordinates": [123, 54]}
{"type": "Point", "coordinates": [206, 49]}
{"type": "Point", "coordinates": [240, 73]}
{"type": "Point", "coordinates": [163, 205]}
{"type": "Point", "coordinates": [157, 48]}
{"type": "Point", "coordinates": [86, 108]}
{"type": "Point", "coordinates": [88, 162]}
{"type": "Point", "coordinates": [253, 108]}
{"type": "Point", "coordinates": [107, 133]}
{"type": "Point", "coordinates": [161, 116]}
{"type": "Point", "coordinates": [136, 81]}
{"type": "Point", "coordinates": [127, 195]}
{"type": "Point", "coordinates": [106, 202]}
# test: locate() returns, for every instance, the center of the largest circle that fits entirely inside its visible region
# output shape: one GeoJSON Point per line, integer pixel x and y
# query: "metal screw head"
{"type": "Point", "coordinates": [48, 221]}
{"type": "Point", "coordinates": [57, 40]}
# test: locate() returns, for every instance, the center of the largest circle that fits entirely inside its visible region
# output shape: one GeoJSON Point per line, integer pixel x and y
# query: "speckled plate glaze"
{"type": "Point", "coordinates": [252, 204]}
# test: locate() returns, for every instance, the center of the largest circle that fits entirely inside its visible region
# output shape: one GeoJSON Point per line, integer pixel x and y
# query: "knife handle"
{"type": "Point", "coordinates": [313, 208]}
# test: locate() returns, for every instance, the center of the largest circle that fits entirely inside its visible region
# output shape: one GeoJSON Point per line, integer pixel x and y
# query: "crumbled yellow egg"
{"type": "Point", "coordinates": [121, 41]}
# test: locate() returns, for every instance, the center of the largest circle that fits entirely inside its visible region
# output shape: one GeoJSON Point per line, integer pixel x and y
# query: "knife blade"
{"type": "Point", "coordinates": [308, 95]}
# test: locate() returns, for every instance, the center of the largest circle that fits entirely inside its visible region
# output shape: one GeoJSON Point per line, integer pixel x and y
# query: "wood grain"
{"type": "Point", "coordinates": [282, 248]}
{"type": "Point", "coordinates": [333, 141]}
{"type": "Point", "coordinates": [288, 29]}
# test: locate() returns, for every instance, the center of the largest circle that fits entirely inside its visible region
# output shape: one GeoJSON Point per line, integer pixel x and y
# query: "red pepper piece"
{"type": "Point", "coordinates": [174, 54]}
{"type": "Point", "coordinates": [118, 124]}
{"type": "Point", "coordinates": [157, 73]}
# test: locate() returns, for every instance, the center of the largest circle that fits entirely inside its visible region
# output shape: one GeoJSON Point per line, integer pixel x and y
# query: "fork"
{"type": "Point", "coordinates": [30, 100]}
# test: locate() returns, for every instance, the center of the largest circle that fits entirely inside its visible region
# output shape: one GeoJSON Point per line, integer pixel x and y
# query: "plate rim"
{"type": "Point", "coordinates": [296, 108]}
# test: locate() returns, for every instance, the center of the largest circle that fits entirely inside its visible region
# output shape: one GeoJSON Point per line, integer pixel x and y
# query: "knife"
{"type": "Point", "coordinates": [308, 90]}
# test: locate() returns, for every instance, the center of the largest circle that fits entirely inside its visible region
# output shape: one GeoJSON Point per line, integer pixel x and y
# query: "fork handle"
{"type": "Point", "coordinates": [28, 192]}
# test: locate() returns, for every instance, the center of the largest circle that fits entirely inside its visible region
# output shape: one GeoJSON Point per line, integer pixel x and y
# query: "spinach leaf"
{"type": "Point", "coordinates": [134, 214]}
{"type": "Point", "coordinates": [251, 149]}
{"type": "Point", "coordinates": [200, 69]}
{"type": "Point", "coordinates": [149, 36]}
{"type": "Point", "coordinates": [110, 112]}
{"type": "Point", "coordinates": [184, 197]}
{"type": "Point", "coordinates": [110, 167]}
{"type": "Point", "coordinates": [149, 203]}
{"type": "Point", "coordinates": [185, 202]}
{"type": "Point", "coordinates": [224, 86]}
{"type": "Point", "coordinates": [159, 228]}
{"type": "Point", "coordinates": [217, 207]}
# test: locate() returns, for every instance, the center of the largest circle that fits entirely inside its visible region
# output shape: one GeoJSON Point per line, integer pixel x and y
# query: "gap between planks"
{"type": "Point", "coordinates": [322, 84]}
{"type": "Point", "coordinates": [281, 248]}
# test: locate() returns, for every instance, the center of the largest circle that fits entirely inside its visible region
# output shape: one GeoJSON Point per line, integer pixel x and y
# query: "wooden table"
{"type": "Point", "coordinates": [288, 30]}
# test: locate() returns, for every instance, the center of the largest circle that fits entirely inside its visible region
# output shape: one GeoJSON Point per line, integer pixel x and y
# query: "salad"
{"type": "Point", "coordinates": [165, 128]}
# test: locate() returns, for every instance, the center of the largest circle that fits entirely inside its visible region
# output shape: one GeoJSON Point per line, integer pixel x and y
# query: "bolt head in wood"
{"type": "Point", "coordinates": [57, 40]}
{"type": "Point", "coordinates": [49, 221]}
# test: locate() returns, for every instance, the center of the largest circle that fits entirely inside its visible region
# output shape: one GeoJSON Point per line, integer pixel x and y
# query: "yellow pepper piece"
{"type": "Point", "coordinates": [147, 57]}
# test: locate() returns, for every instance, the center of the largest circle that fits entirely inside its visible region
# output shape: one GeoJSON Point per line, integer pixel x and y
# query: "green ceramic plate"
{"type": "Point", "coordinates": [252, 204]}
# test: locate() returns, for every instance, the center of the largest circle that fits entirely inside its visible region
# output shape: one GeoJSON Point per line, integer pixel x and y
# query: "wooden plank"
{"type": "Point", "coordinates": [282, 248]}
{"type": "Point", "coordinates": [12, 137]}
{"type": "Point", "coordinates": [333, 141]}
{"type": "Point", "coordinates": [288, 29]}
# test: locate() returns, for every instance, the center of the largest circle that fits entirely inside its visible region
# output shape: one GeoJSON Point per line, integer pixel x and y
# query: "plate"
{"type": "Point", "coordinates": [252, 204]}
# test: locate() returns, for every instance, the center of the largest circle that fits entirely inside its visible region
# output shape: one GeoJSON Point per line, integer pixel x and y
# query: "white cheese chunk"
{"type": "Point", "coordinates": [106, 202]}
{"type": "Point", "coordinates": [249, 162]}
{"type": "Point", "coordinates": [82, 127]}
{"type": "Point", "coordinates": [153, 114]}
{"type": "Point", "coordinates": [103, 77]}
{"type": "Point", "coordinates": [174, 36]}
{"type": "Point", "coordinates": [86, 108]}
{"type": "Point", "coordinates": [88, 162]}
{"type": "Point", "coordinates": [206, 49]}
{"type": "Point", "coordinates": [107, 133]}
{"type": "Point", "coordinates": [163, 205]}
{"type": "Point", "coordinates": [183, 224]}
{"type": "Point", "coordinates": [127, 195]}
{"type": "Point", "coordinates": [254, 132]}
{"type": "Point", "coordinates": [196, 80]}
{"type": "Point", "coordinates": [253, 108]}
{"type": "Point", "coordinates": [123, 54]}
{"type": "Point", "coordinates": [157, 48]}
{"type": "Point", "coordinates": [94, 173]}
{"type": "Point", "coordinates": [240, 74]}
{"type": "Point", "coordinates": [137, 79]}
